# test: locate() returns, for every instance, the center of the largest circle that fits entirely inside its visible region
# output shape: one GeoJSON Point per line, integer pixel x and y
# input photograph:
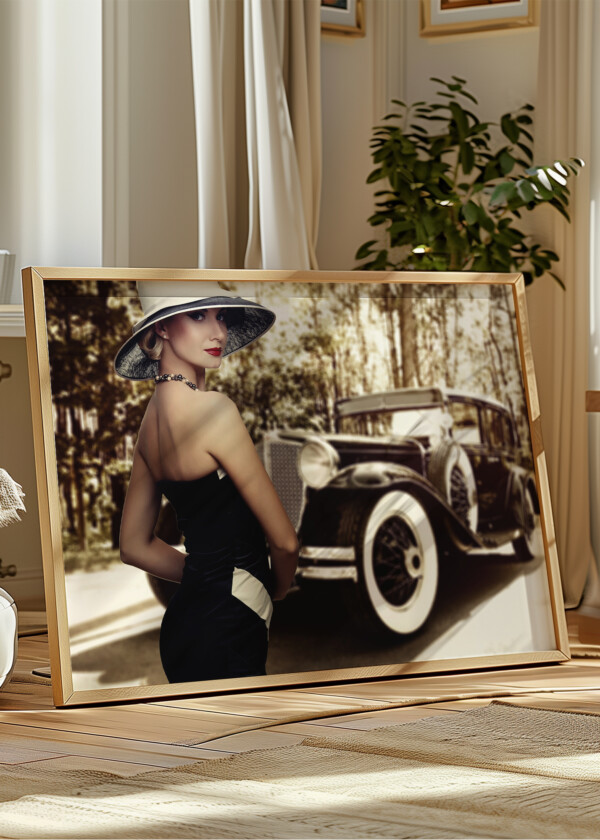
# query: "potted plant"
{"type": "Point", "coordinates": [456, 188]}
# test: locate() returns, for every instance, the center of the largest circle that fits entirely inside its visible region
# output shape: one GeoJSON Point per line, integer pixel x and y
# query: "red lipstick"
{"type": "Point", "coordinates": [214, 351]}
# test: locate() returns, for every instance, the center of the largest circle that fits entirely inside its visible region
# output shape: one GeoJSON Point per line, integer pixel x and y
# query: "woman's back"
{"type": "Point", "coordinates": [175, 430]}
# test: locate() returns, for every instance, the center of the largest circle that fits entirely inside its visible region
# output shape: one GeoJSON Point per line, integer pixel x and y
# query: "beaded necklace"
{"type": "Point", "coordinates": [175, 377]}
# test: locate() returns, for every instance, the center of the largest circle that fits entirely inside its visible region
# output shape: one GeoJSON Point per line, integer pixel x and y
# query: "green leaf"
{"type": "Point", "coordinates": [507, 162]}
{"type": "Point", "coordinates": [470, 213]}
{"type": "Point", "coordinates": [555, 203]}
{"type": "Point", "coordinates": [460, 118]}
{"type": "Point", "coordinates": [509, 128]}
{"type": "Point", "coordinates": [375, 175]}
{"type": "Point", "coordinates": [491, 171]}
{"type": "Point", "coordinates": [400, 227]}
{"type": "Point", "coordinates": [365, 250]}
{"type": "Point", "coordinates": [525, 190]}
{"type": "Point", "coordinates": [485, 221]}
{"type": "Point", "coordinates": [526, 151]}
{"type": "Point", "coordinates": [380, 262]}
{"type": "Point", "coordinates": [467, 157]}
{"type": "Point", "coordinates": [469, 96]}
{"type": "Point", "coordinates": [503, 193]}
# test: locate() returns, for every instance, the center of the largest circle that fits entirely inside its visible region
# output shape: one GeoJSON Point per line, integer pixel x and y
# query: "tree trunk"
{"type": "Point", "coordinates": [408, 340]}
{"type": "Point", "coordinates": [78, 480]}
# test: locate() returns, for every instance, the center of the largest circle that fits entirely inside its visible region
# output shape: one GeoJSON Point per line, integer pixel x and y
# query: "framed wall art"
{"type": "Point", "coordinates": [459, 17]}
{"type": "Point", "coordinates": [343, 17]}
{"type": "Point", "coordinates": [398, 419]}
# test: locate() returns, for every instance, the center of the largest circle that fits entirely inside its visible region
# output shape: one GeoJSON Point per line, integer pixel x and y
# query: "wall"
{"type": "Point", "coordinates": [51, 106]}
{"type": "Point", "coordinates": [347, 72]}
{"type": "Point", "coordinates": [163, 212]}
{"type": "Point", "coordinates": [51, 137]}
{"type": "Point", "coordinates": [501, 69]}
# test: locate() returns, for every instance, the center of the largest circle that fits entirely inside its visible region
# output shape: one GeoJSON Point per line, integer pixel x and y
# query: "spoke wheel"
{"type": "Point", "coordinates": [398, 564]}
{"type": "Point", "coordinates": [397, 561]}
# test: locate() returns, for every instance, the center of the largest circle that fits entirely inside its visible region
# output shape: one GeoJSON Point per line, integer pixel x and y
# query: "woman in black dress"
{"type": "Point", "coordinates": [193, 447]}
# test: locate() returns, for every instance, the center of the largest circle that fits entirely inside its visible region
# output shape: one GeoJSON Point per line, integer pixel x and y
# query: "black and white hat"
{"type": "Point", "coordinates": [162, 299]}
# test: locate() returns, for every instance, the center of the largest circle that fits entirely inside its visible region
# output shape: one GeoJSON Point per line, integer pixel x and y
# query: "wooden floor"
{"type": "Point", "coordinates": [127, 739]}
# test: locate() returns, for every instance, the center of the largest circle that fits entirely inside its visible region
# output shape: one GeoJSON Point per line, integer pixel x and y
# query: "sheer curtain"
{"type": "Point", "coordinates": [560, 319]}
{"type": "Point", "coordinates": [256, 70]}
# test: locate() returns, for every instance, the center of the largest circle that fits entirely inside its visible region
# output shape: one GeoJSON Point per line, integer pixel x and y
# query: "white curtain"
{"type": "Point", "coordinates": [592, 594]}
{"type": "Point", "coordinates": [256, 71]}
{"type": "Point", "coordinates": [560, 319]}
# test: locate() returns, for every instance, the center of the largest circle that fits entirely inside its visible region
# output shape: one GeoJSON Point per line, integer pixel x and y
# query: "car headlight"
{"type": "Point", "coordinates": [317, 463]}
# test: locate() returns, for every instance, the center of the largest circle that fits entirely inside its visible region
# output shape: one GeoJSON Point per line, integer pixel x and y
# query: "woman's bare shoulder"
{"type": "Point", "coordinates": [216, 399]}
{"type": "Point", "coordinates": [198, 410]}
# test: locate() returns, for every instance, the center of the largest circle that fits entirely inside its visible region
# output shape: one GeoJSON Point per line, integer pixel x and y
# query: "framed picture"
{"type": "Point", "coordinates": [343, 17]}
{"type": "Point", "coordinates": [398, 419]}
{"type": "Point", "coordinates": [457, 17]}
{"type": "Point", "coordinates": [20, 547]}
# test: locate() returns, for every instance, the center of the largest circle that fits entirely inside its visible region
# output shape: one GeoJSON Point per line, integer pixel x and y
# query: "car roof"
{"type": "Point", "coordinates": [453, 394]}
{"type": "Point", "coordinates": [399, 398]}
{"type": "Point", "coordinates": [408, 398]}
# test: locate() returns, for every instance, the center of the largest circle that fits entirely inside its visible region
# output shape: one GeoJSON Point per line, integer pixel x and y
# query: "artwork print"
{"type": "Point", "coordinates": [392, 418]}
{"type": "Point", "coordinates": [460, 17]}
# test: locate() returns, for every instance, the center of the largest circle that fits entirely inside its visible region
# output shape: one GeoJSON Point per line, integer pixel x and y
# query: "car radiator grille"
{"type": "Point", "coordinates": [279, 458]}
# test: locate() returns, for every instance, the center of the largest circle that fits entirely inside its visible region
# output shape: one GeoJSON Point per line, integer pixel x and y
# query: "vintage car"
{"type": "Point", "coordinates": [410, 475]}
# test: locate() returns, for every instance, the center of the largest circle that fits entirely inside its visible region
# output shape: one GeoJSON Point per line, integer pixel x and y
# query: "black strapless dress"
{"type": "Point", "coordinates": [216, 624]}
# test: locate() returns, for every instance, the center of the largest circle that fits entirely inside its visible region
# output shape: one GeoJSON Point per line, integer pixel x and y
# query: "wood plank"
{"type": "Point", "coordinates": [255, 740]}
{"type": "Point", "coordinates": [81, 743]}
{"type": "Point", "coordinates": [416, 690]}
{"type": "Point", "coordinates": [581, 702]}
{"type": "Point", "coordinates": [373, 720]}
{"type": "Point", "coordinates": [133, 723]}
{"type": "Point", "coordinates": [107, 765]}
{"type": "Point", "coordinates": [279, 704]}
{"type": "Point", "coordinates": [24, 755]}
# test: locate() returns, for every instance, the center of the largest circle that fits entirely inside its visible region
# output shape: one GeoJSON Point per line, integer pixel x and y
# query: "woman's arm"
{"type": "Point", "coordinates": [228, 441]}
{"type": "Point", "coordinates": [139, 547]}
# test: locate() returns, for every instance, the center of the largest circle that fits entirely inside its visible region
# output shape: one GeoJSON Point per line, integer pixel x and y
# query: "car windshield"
{"type": "Point", "coordinates": [413, 422]}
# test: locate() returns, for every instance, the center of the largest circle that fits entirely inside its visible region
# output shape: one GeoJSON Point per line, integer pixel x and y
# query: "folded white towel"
{"type": "Point", "coordinates": [11, 496]}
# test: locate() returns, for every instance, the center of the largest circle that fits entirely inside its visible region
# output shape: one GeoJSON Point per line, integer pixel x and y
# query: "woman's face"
{"type": "Point", "coordinates": [195, 338]}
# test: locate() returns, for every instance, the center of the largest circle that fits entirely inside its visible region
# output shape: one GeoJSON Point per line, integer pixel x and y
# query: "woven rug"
{"type": "Point", "coordinates": [497, 771]}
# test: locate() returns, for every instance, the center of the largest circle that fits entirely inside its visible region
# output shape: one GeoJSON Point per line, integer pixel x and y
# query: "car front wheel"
{"type": "Point", "coordinates": [397, 562]}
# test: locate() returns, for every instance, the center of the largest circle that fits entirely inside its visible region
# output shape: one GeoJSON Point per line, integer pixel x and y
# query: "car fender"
{"type": "Point", "coordinates": [359, 485]}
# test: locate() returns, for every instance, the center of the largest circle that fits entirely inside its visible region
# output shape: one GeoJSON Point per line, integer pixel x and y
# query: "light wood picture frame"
{"type": "Point", "coordinates": [397, 414]}
{"type": "Point", "coordinates": [441, 18]}
{"type": "Point", "coordinates": [343, 17]}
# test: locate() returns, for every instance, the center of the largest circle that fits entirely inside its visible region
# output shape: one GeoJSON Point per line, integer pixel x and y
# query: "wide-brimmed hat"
{"type": "Point", "coordinates": [162, 299]}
